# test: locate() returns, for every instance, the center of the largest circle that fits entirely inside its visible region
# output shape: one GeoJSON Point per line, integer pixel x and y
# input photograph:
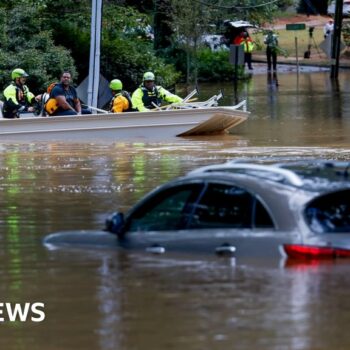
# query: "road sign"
{"type": "Point", "coordinates": [236, 54]}
{"type": "Point", "coordinates": [295, 26]}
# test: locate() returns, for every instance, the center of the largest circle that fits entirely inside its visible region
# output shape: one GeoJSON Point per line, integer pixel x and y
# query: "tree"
{"type": "Point", "coordinates": [190, 20]}
{"type": "Point", "coordinates": [162, 28]}
{"type": "Point", "coordinates": [25, 43]}
{"type": "Point", "coordinates": [313, 7]}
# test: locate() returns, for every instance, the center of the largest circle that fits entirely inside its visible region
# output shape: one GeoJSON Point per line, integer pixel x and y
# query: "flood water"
{"type": "Point", "coordinates": [105, 299]}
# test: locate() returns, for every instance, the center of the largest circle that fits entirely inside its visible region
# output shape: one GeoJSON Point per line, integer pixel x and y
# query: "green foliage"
{"type": "Point", "coordinates": [132, 62]}
{"type": "Point", "coordinates": [77, 40]}
{"type": "Point", "coordinates": [346, 33]}
{"type": "Point", "coordinates": [45, 37]}
{"type": "Point", "coordinates": [27, 45]}
{"type": "Point", "coordinates": [313, 7]}
{"type": "Point", "coordinates": [127, 52]}
{"type": "Point", "coordinates": [214, 66]}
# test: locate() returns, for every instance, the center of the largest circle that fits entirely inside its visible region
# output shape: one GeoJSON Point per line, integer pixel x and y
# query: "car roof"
{"type": "Point", "coordinates": [310, 176]}
{"type": "Point", "coordinates": [239, 24]}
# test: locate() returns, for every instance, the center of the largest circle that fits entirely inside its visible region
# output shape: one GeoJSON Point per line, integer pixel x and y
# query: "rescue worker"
{"type": "Point", "coordinates": [248, 45]}
{"type": "Point", "coordinates": [18, 98]}
{"type": "Point", "coordinates": [271, 41]}
{"type": "Point", "coordinates": [148, 96]}
{"type": "Point", "coordinates": [121, 100]}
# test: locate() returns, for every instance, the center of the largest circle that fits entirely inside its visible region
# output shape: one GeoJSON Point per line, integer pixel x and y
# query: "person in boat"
{"type": "Point", "coordinates": [121, 100]}
{"type": "Point", "coordinates": [64, 98]}
{"type": "Point", "coordinates": [149, 96]}
{"type": "Point", "coordinates": [18, 98]}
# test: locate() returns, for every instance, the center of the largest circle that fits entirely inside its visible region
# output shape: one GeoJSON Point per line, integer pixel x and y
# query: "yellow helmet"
{"type": "Point", "coordinates": [148, 76]}
{"type": "Point", "coordinates": [18, 73]}
{"type": "Point", "coordinates": [116, 85]}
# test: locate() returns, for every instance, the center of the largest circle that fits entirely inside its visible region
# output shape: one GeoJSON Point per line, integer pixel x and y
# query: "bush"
{"type": "Point", "coordinates": [30, 48]}
{"type": "Point", "coordinates": [214, 66]}
{"type": "Point", "coordinates": [125, 61]}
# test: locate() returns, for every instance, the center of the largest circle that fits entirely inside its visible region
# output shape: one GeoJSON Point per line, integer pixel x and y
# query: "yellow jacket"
{"type": "Point", "coordinates": [17, 95]}
{"type": "Point", "coordinates": [119, 104]}
{"type": "Point", "coordinates": [142, 98]}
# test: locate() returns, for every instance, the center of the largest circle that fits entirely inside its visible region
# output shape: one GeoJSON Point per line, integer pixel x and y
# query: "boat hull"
{"type": "Point", "coordinates": [158, 125]}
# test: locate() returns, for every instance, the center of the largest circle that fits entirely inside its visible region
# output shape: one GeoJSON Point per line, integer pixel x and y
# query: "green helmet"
{"type": "Point", "coordinates": [115, 84]}
{"type": "Point", "coordinates": [148, 76]}
{"type": "Point", "coordinates": [18, 73]}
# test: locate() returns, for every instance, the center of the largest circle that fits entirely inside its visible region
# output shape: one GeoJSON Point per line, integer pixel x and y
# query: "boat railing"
{"type": "Point", "coordinates": [187, 104]}
{"type": "Point", "coordinates": [190, 95]}
{"type": "Point", "coordinates": [212, 102]}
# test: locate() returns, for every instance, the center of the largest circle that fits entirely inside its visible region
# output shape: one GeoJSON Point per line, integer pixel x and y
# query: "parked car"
{"type": "Point", "coordinates": [214, 42]}
{"type": "Point", "coordinates": [346, 8]}
{"type": "Point", "coordinates": [240, 209]}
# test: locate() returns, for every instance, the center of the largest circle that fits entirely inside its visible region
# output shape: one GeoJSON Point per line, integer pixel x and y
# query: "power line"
{"type": "Point", "coordinates": [237, 7]}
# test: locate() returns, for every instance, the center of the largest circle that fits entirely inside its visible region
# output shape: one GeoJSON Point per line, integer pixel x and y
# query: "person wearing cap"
{"type": "Point", "coordinates": [271, 41]}
{"type": "Point", "coordinates": [328, 28]}
{"type": "Point", "coordinates": [149, 96]}
{"type": "Point", "coordinates": [121, 100]}
{"type": "Point", "coordinates": [18, 98]}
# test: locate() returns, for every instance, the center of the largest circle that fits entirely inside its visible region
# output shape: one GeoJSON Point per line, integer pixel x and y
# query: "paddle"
{"type": "Point", "coordinates": [177, 104]}
{"type": "Point", "coordinates": [96, 109]}
{"type": "Point", "coordinates": [186, 99]}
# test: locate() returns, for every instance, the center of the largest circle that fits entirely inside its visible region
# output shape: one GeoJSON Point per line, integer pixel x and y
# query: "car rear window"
{"type": "Point", "coordinates": [329, 213]}
{"type": "Point", "coordinates": [227, 206]}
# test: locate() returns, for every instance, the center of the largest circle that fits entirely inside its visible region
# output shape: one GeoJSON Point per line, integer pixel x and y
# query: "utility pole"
{"type": "Point", "coordinates": [338, 18]}
{"type": "Point", "coordinates": [95, 43]}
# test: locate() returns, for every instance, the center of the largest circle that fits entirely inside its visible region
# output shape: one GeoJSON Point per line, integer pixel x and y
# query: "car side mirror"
{"type": "Point", "coordinates": [115, 223]}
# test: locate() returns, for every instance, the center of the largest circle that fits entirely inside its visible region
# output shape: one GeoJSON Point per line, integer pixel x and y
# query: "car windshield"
{"type": "Point", "coordinates": [329, 213]}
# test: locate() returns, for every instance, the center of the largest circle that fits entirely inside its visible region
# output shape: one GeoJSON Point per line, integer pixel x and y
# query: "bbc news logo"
{"type": "Point", "coordinates": [13, 312]}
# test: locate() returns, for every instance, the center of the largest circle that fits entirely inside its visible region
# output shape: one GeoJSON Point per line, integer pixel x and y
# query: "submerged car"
{"type": "Point", "coordinates": [237, 209]}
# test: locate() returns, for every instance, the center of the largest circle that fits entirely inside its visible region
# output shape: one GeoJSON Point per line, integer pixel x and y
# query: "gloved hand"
{"type": "Point", "coordinates": [21, 109]}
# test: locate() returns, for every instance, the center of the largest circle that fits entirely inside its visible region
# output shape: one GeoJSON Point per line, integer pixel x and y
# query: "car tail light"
{"type": "Point", "coordinates": [303, 251]}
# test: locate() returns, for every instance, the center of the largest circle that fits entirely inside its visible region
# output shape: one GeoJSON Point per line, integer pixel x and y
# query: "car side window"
{"type": "Point", "coordinates": [329, 213]}
{"type": "Point", "coordinates": [166, 210]}
{"type": "Point", "coordinates": [226, 206]}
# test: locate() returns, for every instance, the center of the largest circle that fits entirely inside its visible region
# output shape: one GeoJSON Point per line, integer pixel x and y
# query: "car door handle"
{"type": "Point", "coordinates": [155, 249]}
{"type": "Point", "coordinates": [226, 249]}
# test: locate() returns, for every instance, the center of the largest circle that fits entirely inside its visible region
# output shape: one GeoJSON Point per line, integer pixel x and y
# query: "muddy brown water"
{"type": "Point", "coordinates": [105, 299]}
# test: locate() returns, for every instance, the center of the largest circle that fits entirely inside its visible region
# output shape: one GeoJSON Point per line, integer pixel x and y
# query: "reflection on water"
{"type": "Point", "coordinates": [101, 299]}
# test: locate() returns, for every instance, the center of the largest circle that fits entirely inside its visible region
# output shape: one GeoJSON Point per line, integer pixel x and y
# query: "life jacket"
{"type": "Point", "coordinates": [127, 96]}
{"type": "Point", "coordinates": [50, 105]}
{"type": "Point", "coordinates": [51, 86]}
{"type": "Point", "coordinates": [21, 93]}
{"type": "Point", "coordinates": [271, 41]}
{"type": "Point", "coordinates": [149, 97]}
{"type": "Point", "coordinates": [248, 45]}
{"type": "Point", "coordinates": [21, 97]}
